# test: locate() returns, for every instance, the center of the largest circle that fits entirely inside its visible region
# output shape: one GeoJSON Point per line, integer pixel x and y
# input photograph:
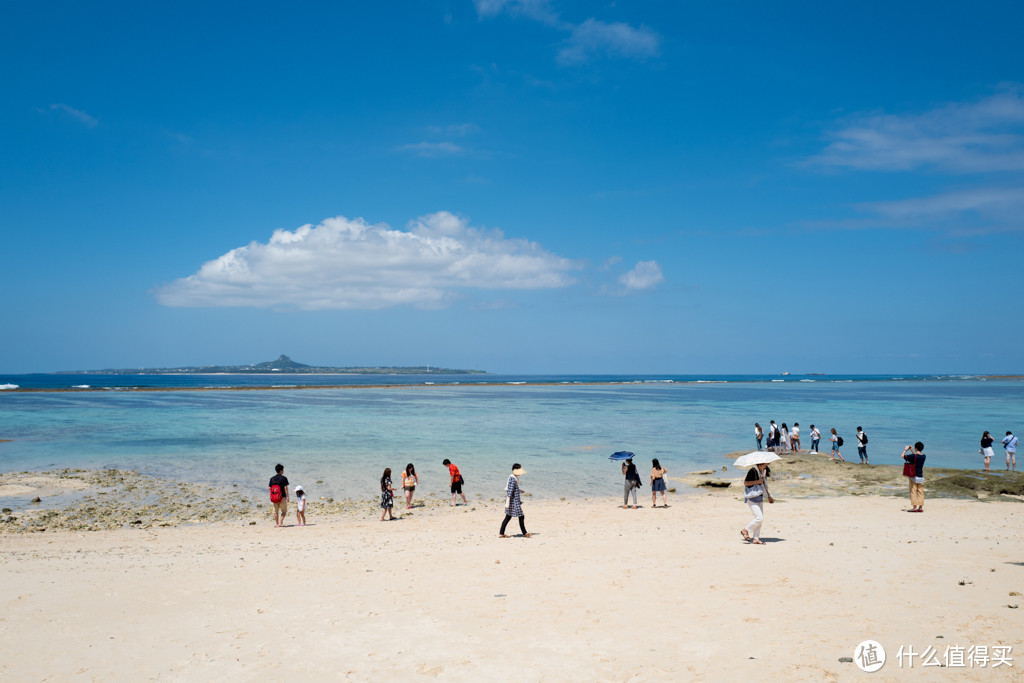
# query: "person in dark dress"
{"type": "Point", "coordinates": [387, 495]}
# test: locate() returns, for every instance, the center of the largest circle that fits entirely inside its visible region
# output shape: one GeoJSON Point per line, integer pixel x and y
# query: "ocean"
{"type": "Point", "coordinates": [560, 428]}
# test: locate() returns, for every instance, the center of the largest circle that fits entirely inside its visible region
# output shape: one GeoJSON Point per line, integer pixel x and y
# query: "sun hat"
{"type": "Point", "coordinates": [298, 487]}
{"type": "Point", "coordinates": [518, 471]}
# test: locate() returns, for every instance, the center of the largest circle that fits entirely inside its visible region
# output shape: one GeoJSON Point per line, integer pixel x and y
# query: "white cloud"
{"type": "Point", "coordinates": [180, 138]}
{"type": "Point", "coordinates": [983, 138]}
{"type": "Point", "coordinates": [974, 211]}
{"type": "Point", "coordinates": [76, 114]}
{"type": "Point", "coordinates": [986, 135]}
{"type": "Point", "coordinates": [350, 264]}
{"type": "Point", "coordinates": [433, 149]}
{"type": "Point", "coordinates": [611, 261]}
{"type": "Point", "coordinates": [590, 39]}
{"type": "Point", "coordinates": [1004, 202]}
{"type": "Point", "coordinates": [455, 130]}
{"type": "Point", "coordinates": [538, 10]}
{"type": "Point", "coordinates": [963, 212]}
{"type": "Point", "coordinates": [645, 275]}
{"type": "Point", "coordinates": [597, 38]}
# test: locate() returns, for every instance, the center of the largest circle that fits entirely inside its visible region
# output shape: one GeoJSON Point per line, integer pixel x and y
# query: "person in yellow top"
{"type": "Point", "coordinates": [409, 482]}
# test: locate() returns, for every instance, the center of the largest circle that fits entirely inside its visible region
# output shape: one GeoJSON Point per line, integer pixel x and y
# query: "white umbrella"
{"type": "Point", "coordinates": [755, 458]}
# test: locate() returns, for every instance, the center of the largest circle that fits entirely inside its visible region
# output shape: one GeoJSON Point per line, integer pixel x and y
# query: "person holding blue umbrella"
{"type": "Point", "coordinates": [632, 483]}
{"type": "Point", "coordinates": [632, 476]}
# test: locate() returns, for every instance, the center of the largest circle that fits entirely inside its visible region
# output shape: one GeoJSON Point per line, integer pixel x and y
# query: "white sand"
{"type": "Point", "coordinates": [598, 594]}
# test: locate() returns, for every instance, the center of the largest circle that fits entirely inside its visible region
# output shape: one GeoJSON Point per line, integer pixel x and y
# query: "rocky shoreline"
{"type": "Point", "coordinates": [97, 500]}
{"type": "Point", "coordinates": [805, 475]}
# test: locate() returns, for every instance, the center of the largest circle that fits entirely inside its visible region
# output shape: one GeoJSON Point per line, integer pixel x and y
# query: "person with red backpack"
{"type": "Point", "coordinates": [279, 495]}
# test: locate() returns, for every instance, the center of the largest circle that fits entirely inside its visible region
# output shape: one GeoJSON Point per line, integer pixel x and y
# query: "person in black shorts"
{"type": "Point", "coordinates": [456, 481]}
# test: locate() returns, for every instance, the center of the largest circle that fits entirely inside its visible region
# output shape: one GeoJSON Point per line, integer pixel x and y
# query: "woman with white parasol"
{"type": "Point", "coordinates": [755, 489]}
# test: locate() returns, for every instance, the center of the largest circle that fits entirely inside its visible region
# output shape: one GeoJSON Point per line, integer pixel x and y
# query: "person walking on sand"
{"type": "Point", "coordinates": [914, 455]}
{"type": "Point", "coordinates": [794, 438]}
{"type": "Point", "coordinates": [755, 490]}
{"type": "Point", "coordinates": [513, 502]}
{"type": "Point", "coordinates": [387, 495]}
{"type": "Point", "coordinates": [815, 439]}
{"type": "Point", "coordinates": [986, 449]}
{"type": "Point", "coordinates": [758, 434]}
{"type": "Point", "coordinates": [300, 505]}
{"type": "Point", "coordinates": [773, 436]}
{"type": "Point", "coordinates": [1010, 444]}
{"type": "Point", "coordinates": [456, 482]}
{"type": "Point", "coordinates": [784, 441]}
{"type": "Point", "coordinates": [409, 482]}
{"type": "Point", "coordinates": [658, 483]}
{"type": "Point", "coordinates": [837, 441]}
{"type": "Point", "coordinates": [279, 495]}
{"type": "Point", "coordinates": [631, 484]}
{"type": "Point", "coordinates": [862, 446]}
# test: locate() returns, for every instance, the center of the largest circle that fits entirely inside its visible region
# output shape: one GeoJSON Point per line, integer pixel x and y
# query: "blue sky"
{"type": "Point", "coordinates": [514, 185]}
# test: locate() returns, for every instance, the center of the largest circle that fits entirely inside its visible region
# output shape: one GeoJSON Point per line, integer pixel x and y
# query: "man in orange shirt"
{"type": "Point", "coordinates": [456, 481]}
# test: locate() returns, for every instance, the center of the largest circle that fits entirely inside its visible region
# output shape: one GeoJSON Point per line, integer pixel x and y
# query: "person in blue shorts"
{"type": "Point", "coordinates": [836, 455]}
{"type": "Point", "coordinates": [658, 483]}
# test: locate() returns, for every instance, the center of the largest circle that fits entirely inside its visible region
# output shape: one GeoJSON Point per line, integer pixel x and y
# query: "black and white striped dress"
{"type": "Point", "coordinates": [515, 505]}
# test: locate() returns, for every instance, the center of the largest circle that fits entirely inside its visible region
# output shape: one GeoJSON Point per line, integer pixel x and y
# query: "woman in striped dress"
{"type": "Point", "coordinates": [513, 503]}
{"type": "Point", "coordinates": [387, 495]}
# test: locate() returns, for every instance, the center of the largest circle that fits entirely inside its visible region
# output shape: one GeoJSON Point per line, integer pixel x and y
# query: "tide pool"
{"type": "Point", "coordinates": [562, 434]}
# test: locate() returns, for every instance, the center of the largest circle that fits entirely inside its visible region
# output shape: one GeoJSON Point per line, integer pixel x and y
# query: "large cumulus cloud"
{"type": "Point", "coordinates": [350, 264]}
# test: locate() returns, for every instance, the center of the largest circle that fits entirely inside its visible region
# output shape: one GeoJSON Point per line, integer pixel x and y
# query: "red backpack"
{"type": "Point", "coordinates": [275, 494]}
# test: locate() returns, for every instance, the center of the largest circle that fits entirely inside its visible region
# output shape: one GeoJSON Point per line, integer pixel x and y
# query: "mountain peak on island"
{"type": "Point", "coordinates": [283, 362]}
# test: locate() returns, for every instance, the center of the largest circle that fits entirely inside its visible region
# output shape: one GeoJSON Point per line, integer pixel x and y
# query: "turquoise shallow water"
{"type": "Point", "coordinates": [562, 434]}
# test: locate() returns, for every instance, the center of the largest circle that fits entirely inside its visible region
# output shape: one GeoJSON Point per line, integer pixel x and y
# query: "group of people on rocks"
{"type": "Point", "coordinates": [783, 441]}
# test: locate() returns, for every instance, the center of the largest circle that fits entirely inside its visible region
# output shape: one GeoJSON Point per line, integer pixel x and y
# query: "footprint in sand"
{"type": "Point", "coordinates": [430, 671]}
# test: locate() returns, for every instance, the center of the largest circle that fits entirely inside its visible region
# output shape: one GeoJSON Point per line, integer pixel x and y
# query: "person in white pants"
{"type": "Point", "coordinates": [755, 491]}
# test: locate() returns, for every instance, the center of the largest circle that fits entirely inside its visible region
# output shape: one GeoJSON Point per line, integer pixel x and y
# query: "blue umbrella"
{"type": "Point", "coordinates": [621, 455]}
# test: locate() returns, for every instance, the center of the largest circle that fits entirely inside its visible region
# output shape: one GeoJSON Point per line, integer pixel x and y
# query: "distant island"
{"type": "Point", "coordinates": [283, 364]}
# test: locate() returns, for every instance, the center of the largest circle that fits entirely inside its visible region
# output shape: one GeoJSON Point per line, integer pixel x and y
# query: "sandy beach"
{"type": "Point", "coordinates": [597, 594]}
